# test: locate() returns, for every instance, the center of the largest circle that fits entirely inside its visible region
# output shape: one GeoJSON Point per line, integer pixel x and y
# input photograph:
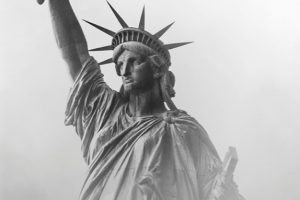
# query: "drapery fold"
{"type": "Point", "coordinates": [163, 157]}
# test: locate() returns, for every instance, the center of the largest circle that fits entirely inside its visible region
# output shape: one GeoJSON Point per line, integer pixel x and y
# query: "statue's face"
{"type": "Point", "coordinates": [136, 72]}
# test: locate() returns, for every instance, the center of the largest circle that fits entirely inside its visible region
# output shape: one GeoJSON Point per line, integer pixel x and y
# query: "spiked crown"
{"type": "Point", "coordinates": [127, 34]}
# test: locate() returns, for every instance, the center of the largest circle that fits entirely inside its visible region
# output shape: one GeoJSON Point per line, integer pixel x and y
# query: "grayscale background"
{"type": "Point", "coordinates": [240, 79]}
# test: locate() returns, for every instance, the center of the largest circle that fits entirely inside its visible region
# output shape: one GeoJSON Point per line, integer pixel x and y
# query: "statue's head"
{"type": "Point", "coordinates": [142, 69]}
{"type": "Point", "coordinates": [141, 58]}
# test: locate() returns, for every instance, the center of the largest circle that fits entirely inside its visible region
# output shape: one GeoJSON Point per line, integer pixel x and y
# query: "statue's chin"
{"type": "Point", "coordinates": [128, 87]}
{"type": "Point", "coordinates": [135, 87]}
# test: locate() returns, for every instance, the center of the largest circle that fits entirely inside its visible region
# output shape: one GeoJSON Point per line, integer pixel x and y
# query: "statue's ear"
{"type": "Point", "coordinates": [156, 60]}
{"type": "Point", "coordinates": [158, 66]}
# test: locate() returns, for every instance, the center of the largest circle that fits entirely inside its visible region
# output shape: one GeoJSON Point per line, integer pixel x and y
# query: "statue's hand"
{"type": "Point", "coordinates": [40, 1]}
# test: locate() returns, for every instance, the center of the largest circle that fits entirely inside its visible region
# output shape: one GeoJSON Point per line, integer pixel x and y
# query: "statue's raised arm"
{"type": "Point", "coordinates": [68, 33]}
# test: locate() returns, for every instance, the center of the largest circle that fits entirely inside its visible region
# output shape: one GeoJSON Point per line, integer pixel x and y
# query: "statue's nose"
{"type": "Point", "coordinates": [126, 69]}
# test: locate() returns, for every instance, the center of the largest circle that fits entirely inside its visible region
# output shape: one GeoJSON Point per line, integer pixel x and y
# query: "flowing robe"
{"type": "Point", "coordinates": [163, 157]}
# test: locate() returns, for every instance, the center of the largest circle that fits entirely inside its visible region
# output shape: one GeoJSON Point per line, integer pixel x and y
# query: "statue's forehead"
{"type": "Point", "coordinates": [127, 54]}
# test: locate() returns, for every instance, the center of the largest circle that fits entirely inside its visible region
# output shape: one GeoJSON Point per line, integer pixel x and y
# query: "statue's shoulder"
{"type": "Point", "coordinates": [185, 122]}
{"type": "Point", "coordinates": [180, 117]}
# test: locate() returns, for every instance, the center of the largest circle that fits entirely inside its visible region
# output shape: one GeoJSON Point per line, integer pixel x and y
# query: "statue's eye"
{"type": "Point", "coordinates": [119, 65]}
{"type": "Point", "coordinates": [138, 62]}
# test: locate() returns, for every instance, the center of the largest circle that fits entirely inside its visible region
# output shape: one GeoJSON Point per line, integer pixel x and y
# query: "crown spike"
{"type": "Point", "coordinates": [162, 31]}
{"type": "Point", "coordinates": [105, 48]}
{"type": "Point", "coordinates": [142, 20]}
{"type": "Point", "coordinates": [175, 45]}
{"type": "Point", "coordinates": [110, 60]}
{"type": "Point", "coordinates": [109, 32]}
{"type": "Point", "coordinates": [121, 21]}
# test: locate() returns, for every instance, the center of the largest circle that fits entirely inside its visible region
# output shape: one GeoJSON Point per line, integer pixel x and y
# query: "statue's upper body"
{"type": "Point", "coordinates": [158, 156]}
{"type": "Point", "coordinates": [135, 147]}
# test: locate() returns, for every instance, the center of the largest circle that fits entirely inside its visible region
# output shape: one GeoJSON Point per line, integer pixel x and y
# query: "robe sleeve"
{"type": "Point", "coordinates": [90, 103]}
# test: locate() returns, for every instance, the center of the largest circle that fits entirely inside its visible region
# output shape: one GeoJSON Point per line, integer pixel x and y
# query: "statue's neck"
{"type": "Point", "coordinates": [146, 103]}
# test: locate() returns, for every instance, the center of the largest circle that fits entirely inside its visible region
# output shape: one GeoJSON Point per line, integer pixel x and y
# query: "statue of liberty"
{"type": "Point", "coordinates": [136, 143]}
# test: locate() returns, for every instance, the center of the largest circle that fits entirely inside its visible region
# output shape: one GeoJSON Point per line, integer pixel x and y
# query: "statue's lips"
{"type": "Point", "coordinates": [128, 81]}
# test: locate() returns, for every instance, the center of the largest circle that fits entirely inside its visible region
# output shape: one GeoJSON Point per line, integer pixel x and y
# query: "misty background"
{"type": "Point", "coordinates": [240, 79]}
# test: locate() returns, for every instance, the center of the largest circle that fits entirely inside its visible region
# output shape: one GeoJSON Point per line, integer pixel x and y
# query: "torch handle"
{"type": "Point", "coordinates": [40, 1]}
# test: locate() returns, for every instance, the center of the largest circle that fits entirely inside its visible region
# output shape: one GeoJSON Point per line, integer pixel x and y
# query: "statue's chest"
{"type": "Point", "coordinates": [105, 135]}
